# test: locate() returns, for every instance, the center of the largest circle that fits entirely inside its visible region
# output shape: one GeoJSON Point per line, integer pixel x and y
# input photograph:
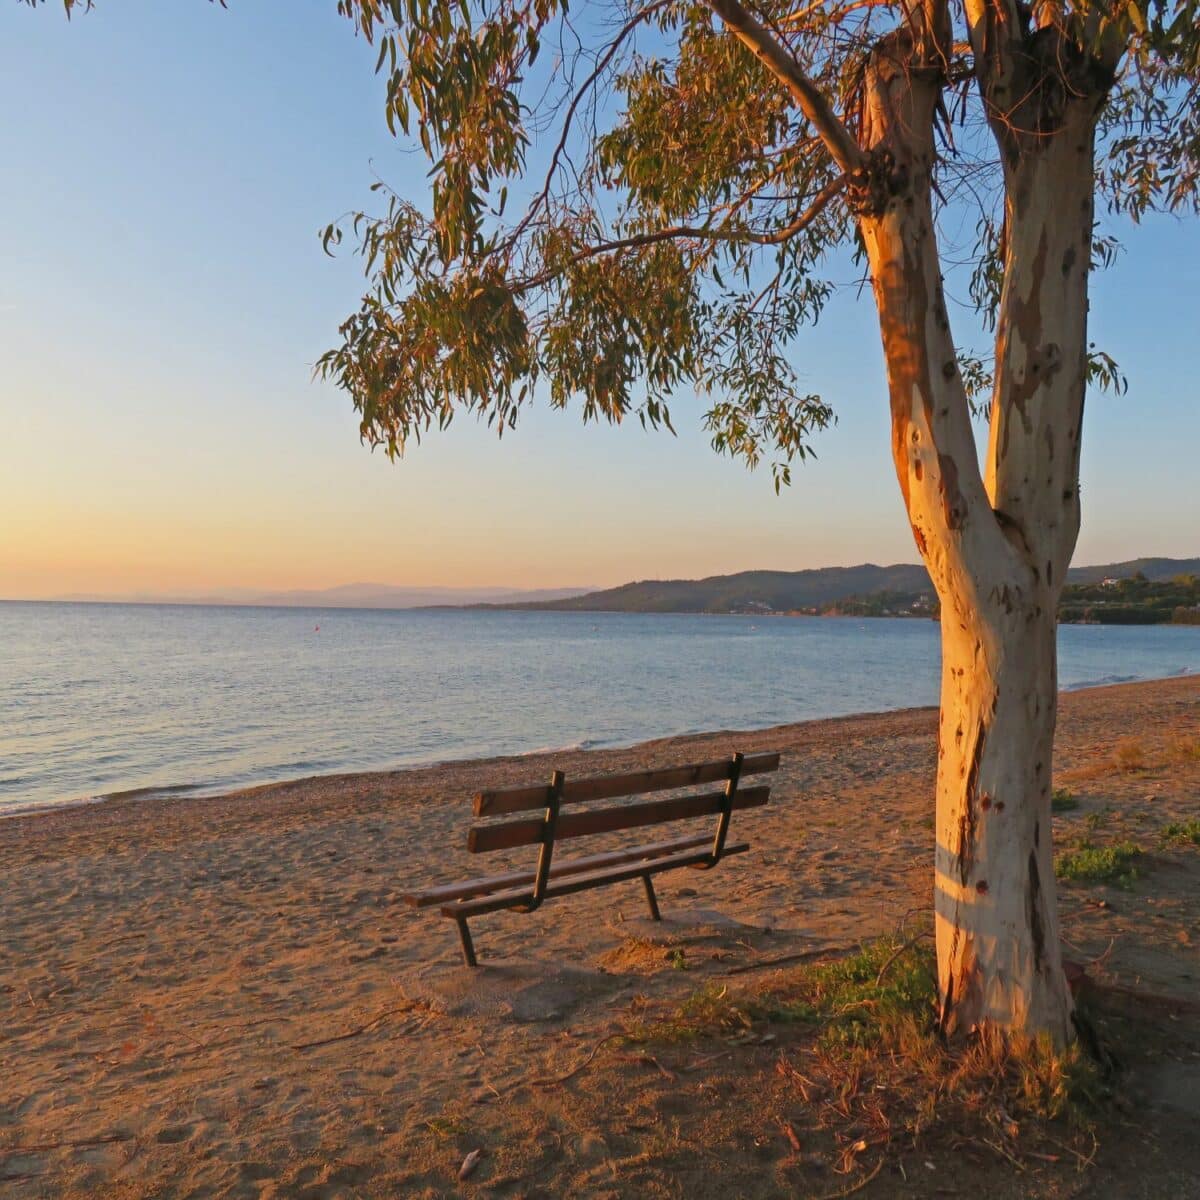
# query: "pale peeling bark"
{"type": "Point", "coordinates": [933, 445]}
{"type": "Point", "coordinates": [1041, 346]}
{"type": "Point", "coordinates": [999, 957]}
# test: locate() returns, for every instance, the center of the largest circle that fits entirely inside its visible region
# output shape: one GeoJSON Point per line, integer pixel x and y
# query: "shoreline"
{"type": "Point", "coordinates": [535, 607]}
{"type": "Point", "coordinates": [177, 794]}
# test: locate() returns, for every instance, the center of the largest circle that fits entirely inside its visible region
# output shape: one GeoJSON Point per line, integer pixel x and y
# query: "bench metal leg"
{"type": "Point", "coordinates": [651, 899]}
{"type": "Point", "coordinates": [468, 946]}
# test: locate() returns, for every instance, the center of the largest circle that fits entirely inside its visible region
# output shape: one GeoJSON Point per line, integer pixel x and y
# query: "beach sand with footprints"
{"type": "Point", "coordinates": [226, 996]}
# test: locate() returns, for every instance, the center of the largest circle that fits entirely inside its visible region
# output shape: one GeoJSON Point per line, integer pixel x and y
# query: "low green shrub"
{"type": "Point", "coordinates": [860, 998]}
{"type": "Point", "coordinates": [1061, 800]}
{"type": "Point", "coordinates": [1182, 833]}
{"type": "Point", "coordinates": [1099, 864]}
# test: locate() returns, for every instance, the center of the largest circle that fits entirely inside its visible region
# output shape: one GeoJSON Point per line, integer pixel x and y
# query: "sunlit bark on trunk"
{"type": "Point", "coordinates": [1032, 473]}
{"type": "Point", "coordinates": [999, 958]}
{"type": "Point", "coordinates": [996, 543]}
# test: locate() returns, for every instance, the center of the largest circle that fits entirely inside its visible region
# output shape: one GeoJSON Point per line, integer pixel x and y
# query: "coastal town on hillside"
{"type": "Point", "coordinates": [1133, 601]}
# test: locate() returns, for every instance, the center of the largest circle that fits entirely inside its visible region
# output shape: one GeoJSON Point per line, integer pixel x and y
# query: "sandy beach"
{"type": "Point", "coordinates": [225, 996]}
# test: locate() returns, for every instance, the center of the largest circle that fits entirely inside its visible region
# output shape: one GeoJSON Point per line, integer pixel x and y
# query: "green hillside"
{"type": "Point", "coordinates": [1133, 601]}
{"type": "Point", "coordinates": [866, 590]}
{"type": "Point", "coordinates": [748, 591]}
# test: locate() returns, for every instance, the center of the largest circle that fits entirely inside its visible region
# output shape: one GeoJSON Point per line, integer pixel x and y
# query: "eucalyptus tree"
{"type": "Point", "coordinates": [642, 201]}
{"type": "Point", "coordinates": [691, 175]}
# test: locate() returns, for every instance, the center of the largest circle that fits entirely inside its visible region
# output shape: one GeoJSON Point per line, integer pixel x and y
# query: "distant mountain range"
{"type": "Point", "coordinates": [349, 595]}
{"type": "Point", "coordinates": [747, 591]}
{"type": "Point", "coordinates": [787, 591]}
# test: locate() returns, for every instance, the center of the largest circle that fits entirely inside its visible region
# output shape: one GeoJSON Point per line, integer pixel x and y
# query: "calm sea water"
{"type": "Point", "coordinates": [100, 699]}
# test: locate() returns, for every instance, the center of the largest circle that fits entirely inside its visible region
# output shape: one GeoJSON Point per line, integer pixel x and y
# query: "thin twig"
{"type": "Point", "coordinates": [606, 58]}
{"type": "Point", "coordinates": [342, 1037]}
{"type": "Point", "coordinates": [999, 1149]}
{"type": "Point", "coordinates": [544, 1083]}
{"type": "Point", "coordinates": [781, 959]}
{"type": "Point", "coordinates": [41, 1147]}
{"type": "Point", "coordinates": [703, 1062]}
{"type": "Point", "coordinates": [895, 954]}
{"type": "Point", "coordinates": [858, 1187]}
{"type": "Point", "coordinates": [722, 233]}
{"type": "Point", "coordinates": [1084, 1160]}
{"type": "Point", "coordinates": [648, 1060]}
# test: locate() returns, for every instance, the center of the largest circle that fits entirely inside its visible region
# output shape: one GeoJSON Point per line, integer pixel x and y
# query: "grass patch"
{"type": "Point", "coordinates": [1099, 864]}
{"type": "Point", "coordinates": [855, 1001]}
{"type": "Point", "coordinates": [1182, 833]}
{"type": "Point", "coordinates": [709, 1012]}
{"type": "Point", "coordinates": [858, 1000]}
{"type": "Point", "coordinates": [445, 1127]}
{"type": "Point", "coordinates": [1062, 801]}
{"type": "Point", "coordinates": [1130, 755]}
{"type": "Point", "coordinates": [1186, 749]}
{"type": "Point", "coordinates": [855, 1060]}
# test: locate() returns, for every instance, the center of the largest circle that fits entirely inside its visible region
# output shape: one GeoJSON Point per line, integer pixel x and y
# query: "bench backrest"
{"type": "Point", "coordinates": [560, 819]}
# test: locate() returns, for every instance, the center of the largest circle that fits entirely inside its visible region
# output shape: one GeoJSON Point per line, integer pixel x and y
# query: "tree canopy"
{"type": "Point", "coordinates": [688, 174]}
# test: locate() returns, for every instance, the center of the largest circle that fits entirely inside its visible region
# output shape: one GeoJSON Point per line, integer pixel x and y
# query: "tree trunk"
{"type": "Point", "coordinates": [997, 574]}
{"type": "Point", "coordinates": [1032, 476]}
{"type": "Point", "coordinates": [999, 957]}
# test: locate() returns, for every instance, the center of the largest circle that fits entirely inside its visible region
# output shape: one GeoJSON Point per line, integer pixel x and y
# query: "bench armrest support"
{"type": "Point", "coordinates": [546, 853]}
{"type": "Point", "coordinates": [735, 771]}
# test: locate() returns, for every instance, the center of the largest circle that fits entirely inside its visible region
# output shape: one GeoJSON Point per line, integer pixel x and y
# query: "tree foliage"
{"type": "Point", "coordinates": [683, 214]}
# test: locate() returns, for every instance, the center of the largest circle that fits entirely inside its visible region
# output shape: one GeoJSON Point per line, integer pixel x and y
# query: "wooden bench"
{"type": "Point", "coordinates": [527, 890]}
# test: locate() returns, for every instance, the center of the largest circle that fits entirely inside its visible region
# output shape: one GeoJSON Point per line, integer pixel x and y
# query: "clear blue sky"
{"type": "Point", "coordinates": [164, 170]}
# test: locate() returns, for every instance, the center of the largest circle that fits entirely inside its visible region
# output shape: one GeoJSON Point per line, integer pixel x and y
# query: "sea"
{"type": "Point", "coordinates": [104, 700]}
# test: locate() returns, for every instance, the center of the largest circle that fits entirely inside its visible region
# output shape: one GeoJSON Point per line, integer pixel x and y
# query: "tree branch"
{"type": "Point", "coordinates": [995, 30]}
{"type": "Point", "coordinates": [1032, 475]}
{"type": "Point", "coordinates": [936, 30]}
{"type": "Point", "coordinates": [722, 233]}
{"type": "Point", "coordinates": [782, 64]}
{"type": "Point", "coordinates": [933, 444]}
{"type": "Point", "coordinates": [601, 66]}
{"type": "Point", "coordinates": [800, 15]}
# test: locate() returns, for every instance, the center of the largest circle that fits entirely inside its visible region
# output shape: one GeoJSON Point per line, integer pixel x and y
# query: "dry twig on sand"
{"type": "Point", "coordinates": [343, 1037]}
{"type": "Point", "coordinates": [545, 1083]}
{"type": "Point", "coordinates": [782, 959]}
{"type": "Point", "coordinates": [41, 1147]}
{"type": "Point", "coordinates": [858, 1187]}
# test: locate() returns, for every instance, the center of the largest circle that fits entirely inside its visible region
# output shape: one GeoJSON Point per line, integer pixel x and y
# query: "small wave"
{"type": "Point", "coordinates": [171, 789]}
{"type": "Point", "coordinates": [560, 748]}
{"type": "Point", "coordinates": [138, 793]}
{"type": "Point", "coordinates": [311, 766]}
{"type": "Point", "coordinates": [45, 806]}
{"type": "Point", "coordinates": [1100, 681]}
{"type": "Point", "coordinates": [567, 747]}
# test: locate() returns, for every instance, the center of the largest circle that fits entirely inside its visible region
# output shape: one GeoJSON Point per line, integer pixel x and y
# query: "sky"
{"type": "Point", "coordinates": [164, 171]}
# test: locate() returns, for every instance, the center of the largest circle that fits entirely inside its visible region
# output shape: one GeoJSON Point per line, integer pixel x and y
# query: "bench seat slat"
{"type": "Point", "coordinates": [572, 866]}
{"type": "Point", "coordinates": [500, 801]}
{"type": "Point", "coordinates": [607, 820]}
{"type": "Point", "coordinates": [583, 882]}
